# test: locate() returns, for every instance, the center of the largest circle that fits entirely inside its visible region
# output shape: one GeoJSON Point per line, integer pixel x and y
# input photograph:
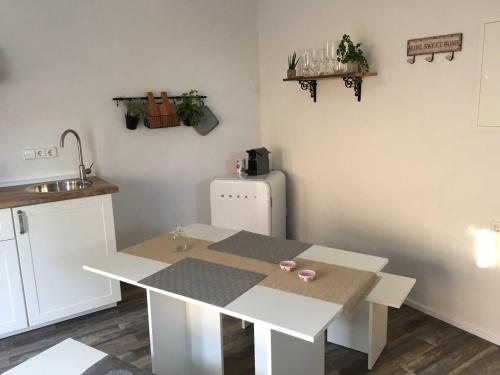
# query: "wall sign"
{"type": "Point", "coordinates": [434, 44]}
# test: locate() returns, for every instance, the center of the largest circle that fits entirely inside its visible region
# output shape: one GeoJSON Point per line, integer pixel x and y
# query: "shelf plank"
{"type": "Point", "coordinates": [330, 76]}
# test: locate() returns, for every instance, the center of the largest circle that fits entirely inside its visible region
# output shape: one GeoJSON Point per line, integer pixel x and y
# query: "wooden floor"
{"type": "Point", "coordinates": [417, 343]}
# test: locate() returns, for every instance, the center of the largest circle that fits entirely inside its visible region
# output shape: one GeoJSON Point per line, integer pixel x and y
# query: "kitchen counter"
{"type": "Point", "coordinates": [16, 196]}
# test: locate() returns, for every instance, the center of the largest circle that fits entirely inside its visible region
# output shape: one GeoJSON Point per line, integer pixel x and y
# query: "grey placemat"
{"type": "Point", "coordinates": [260, 247]}
{"type": "Point", "coordinates": [110, 365]}
{"type": "Point", "coordinates": [204, 281]}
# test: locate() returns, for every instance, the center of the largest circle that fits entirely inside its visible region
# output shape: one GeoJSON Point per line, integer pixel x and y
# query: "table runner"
{"type": "Point", "coordinates": [337, 284]}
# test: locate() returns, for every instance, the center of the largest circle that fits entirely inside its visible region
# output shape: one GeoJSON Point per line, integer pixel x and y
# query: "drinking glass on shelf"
{"type": "Point", "coordinates": [300, 63]}
{"type": "Point", "coordinates": [306, 64]}
{"type": "Point", "coordinates": [323, 62]}
{"type": "Point", "coordinates": [331, 56]}
{"type": "Point", "coordinates": [314, 60]}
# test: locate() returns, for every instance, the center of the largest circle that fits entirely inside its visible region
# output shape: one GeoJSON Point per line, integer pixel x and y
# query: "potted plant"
{"type": "Point", "coordinates": [351, 55]}
{"type": "Point", "coordinates": [136, 110]}
{"type": "Point", "coordinates": [293, 60]}
{"type": "Point", "coordinates": [190, 108]}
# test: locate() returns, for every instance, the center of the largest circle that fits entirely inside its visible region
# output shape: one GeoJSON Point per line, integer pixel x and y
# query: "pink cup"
{"type": "Point", "coordinates": [307, 275]}
{"type": "Point", "coordinates": [287, 265]}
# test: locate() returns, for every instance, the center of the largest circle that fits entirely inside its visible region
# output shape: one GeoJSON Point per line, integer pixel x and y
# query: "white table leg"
{"type": "Point", "coordinates": [280, 354]}
{"type": "Point", "coordinates": [378, 332]}
{"type": "Point", "coordinates": [185, 338]}
{"type": "Point", "coordinates": [351, 331]}
{"type": "Point", "coordinates": [365, 330]}
{"type": "Point", "coordinates": [207, 352]}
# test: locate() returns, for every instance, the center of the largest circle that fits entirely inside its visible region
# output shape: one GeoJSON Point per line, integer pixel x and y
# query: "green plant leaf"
{"type": "Point", "coordinates": [347, 52]}
{"type": "Point", "coordinates": [136, 108]}
{"type": "Point", "coordinates": [190, 108]}
{"type": "Point", "coordinates": [293, 60]}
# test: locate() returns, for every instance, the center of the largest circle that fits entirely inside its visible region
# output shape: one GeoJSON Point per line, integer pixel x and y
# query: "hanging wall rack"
{"type": "Point", "coordinates": [449, 43]}
{"type": "Point", "coordinates": [351, 80]}
{"type": "Point", "coordinates": [129, 98]}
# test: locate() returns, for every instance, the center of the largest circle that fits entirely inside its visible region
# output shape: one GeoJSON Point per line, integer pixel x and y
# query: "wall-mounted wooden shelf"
{"type": "Point", "coordinates": [351, 80]}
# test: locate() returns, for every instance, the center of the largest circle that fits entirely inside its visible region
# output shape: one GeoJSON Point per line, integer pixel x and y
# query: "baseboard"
{"type": "Point", "coordinates": [471, 328]}
{"type": "Point", "coordinates": [36, 326]}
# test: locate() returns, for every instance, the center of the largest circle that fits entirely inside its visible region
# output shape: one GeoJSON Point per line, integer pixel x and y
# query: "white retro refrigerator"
{"type": "Point", "coordinates": [253, 203]}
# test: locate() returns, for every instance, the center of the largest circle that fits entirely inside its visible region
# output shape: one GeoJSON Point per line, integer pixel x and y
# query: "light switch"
{"type": "Point", "coordinates": [29, 154]}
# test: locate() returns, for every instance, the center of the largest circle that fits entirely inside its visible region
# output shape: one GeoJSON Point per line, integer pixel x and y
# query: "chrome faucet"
{"type": "Point", "coordinates": [83, 171]}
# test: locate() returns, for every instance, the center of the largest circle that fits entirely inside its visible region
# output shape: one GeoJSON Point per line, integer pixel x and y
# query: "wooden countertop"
{"type": "Point", "coordinates": [16, 196]}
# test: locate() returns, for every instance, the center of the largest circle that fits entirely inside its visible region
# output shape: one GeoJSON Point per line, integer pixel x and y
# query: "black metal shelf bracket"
{"type": "Point", "coordinates": [352, 80]}
{"type": "Point", "coordinates": [356, 83]}
{"type": "Point", "coordinates": [310, 85]}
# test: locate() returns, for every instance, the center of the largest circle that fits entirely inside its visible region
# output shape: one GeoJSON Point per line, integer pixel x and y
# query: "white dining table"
{"type": "Point", "coordinates": [289, 329]}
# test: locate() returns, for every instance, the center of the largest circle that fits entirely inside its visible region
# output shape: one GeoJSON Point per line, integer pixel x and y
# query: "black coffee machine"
{"type": "Point", "coordinates": [258, 161]}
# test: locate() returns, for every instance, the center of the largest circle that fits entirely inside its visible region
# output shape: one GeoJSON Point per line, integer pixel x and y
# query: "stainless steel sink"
{"type": "Point", "coordinates": [60, 186]}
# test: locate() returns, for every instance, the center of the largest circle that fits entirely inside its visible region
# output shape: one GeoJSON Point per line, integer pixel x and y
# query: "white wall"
{"type": "Point", "coordinates": [404, 173]}
{"type": "Point", "coordinates": [62, 61]}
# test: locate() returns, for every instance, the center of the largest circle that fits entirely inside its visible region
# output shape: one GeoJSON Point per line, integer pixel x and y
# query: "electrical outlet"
{"type": "Point", "coordinates": [40, 153]}
{"type": "Point", "coordinates": [495, 226]}
{"type": "Point", "coordinates": [51, 152]}
{"type": "Point", "coordinates": [29, 154]}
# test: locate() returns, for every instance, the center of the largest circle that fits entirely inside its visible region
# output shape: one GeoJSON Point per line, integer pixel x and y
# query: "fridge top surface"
{"type": "Point", "coordinates": [263, 177]}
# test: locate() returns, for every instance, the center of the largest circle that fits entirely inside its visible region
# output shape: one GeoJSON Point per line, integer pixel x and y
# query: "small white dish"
{"type": "Point", "coordinates": [306, 275]}
{"type": "Point", "coordinates": [287, 265]}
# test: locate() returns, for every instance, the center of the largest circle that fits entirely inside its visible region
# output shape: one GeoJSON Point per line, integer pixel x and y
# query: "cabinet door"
{"type": "Point", "coordinates": [6, 227]}
{"type": "Point", "coordinates": [12, 308]}
{"type": "Point", "coordinates": [54, 241]}
{"type": "Point", "coordinates": [489, 110]}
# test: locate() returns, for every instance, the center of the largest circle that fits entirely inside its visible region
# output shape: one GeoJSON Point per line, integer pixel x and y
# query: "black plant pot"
{"type": "Point", "coordinates": [132, 122]}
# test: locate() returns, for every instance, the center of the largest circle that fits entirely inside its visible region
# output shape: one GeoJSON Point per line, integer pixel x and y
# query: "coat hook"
{"type": "Point", "coordinates": [430, 58]}
{"type": "Point", "coordinates": [411, 60]}
{"type": "Point", "coordinates": [450, 57]}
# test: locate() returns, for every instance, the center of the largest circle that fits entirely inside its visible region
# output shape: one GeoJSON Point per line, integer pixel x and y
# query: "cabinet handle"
{"type": "Point", "coordinates": [20, 215]}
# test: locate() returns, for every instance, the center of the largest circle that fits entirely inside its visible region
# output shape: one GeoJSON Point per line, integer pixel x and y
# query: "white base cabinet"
{"type": "Point", "coordinates": [54, 241]}
{"type": "Point", "coordinates": [43, 280]}
{"type": "Point", "coordinates": [12, 309]}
